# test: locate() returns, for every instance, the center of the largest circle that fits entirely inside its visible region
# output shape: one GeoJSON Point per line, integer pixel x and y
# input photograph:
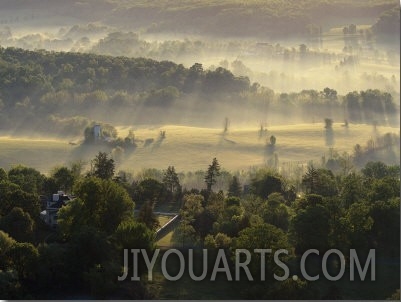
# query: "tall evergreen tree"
{"type": "Point", "coordinates": [311, 180]}
{"type": "Point", "coordinates": [234, 189]}
{"type": "Point", "coordinates": [212, 173]}
{"type": "Point", "coordinates": [170, 180]}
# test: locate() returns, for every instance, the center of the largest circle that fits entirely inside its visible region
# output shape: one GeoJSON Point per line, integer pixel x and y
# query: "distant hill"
{"type": "Point", "coordinates": [267, 19]}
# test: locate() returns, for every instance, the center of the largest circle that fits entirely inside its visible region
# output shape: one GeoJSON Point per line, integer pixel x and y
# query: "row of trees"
{"type": "Point", "coordinates": [353, 210]}
{"type": "Point", "coordinates": [42, 72]}
{"type": "Point", "coordinates": [84, 254]}
{"type": "Point", "coordinates": [367, 106]}
{"type": "Point", "coordinates": [359, 210]}
{"type": "Point", "coordinates": [280, 19]}
{"type": "Point", "coordinates": [129, 44]}
{"type": "Point", "coordinates": [40, 88]}
{"type": "Point", "coordinates": [386, 28]}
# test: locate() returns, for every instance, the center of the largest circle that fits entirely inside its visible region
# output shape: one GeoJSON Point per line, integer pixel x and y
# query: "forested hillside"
{"type": "Point", "coordinates": [264, 134]}
{"type": "Point", "coordinates": [61, 93]}
{"type": "Point", "coordinates": [272, 19]}
{"type": "Point", "coordinates": [83, 256]}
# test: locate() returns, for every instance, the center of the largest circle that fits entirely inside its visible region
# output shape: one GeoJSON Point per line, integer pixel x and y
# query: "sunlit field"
{"type": "Point", "coordinates": [166, 240]}
{"type": "Point", "coordinates": [192, 148]}
{"type": "Point", "coordinates": [42, 154]}
{"type": "Point", "coordinates": [163, 219]}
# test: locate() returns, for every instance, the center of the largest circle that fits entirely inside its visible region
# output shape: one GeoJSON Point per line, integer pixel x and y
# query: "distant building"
{"type": "Point", "coordinates": [54, 204]}
{"type": "Point", "coordinates": [97, 132]}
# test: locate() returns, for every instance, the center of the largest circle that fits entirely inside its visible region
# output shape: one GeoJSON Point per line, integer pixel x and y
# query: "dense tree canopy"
{"type": "Point", "coordinates": [332, 210]}
{"type": "Point", "coordinates": [103, 166]}
{"type": "Point", "coordinates": [102, 204]}
{"type": "Point", "coordinates": [64, 88]}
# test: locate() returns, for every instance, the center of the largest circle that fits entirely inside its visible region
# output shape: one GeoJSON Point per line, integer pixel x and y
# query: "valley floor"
{"type": "Point", "coordinates": [193, 148]}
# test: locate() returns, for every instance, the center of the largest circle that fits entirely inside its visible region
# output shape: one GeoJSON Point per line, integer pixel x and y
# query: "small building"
{"type": "Point", "coordinates": [54, 204]}
{"type": "Point", "coordinates": [97, 132]}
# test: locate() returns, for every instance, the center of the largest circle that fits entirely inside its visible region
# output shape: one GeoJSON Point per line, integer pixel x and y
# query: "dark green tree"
{"type": "Point", "coordinates": [328, 123]}
{"type": "Point", "coordinates": [3, 175]}
{"type": "Point", "coordinates": [77, 168]}
{"type": "Point", "coordinates": [234, 189]}
{"type": "Point", "coordinates": [275, 211]}
{"type": "Point", "coordinates": [151, 190]}
{"type": "Point", "coordinates": [375, 170]}
{"type": "Point", "coordinates": [171, 181]}
{"type": "Point", "coordinates": [310, 229]}
{"type": "Point", "coordinates": [220, 241]}
{"type": "Point", "coordinates": [103, 166]}
{"type": "Point", "coordinates": [13, 196]}
{"type": "Point", "coordinates": [192, 206]}
{"type": "Point", "coordinates": [309, 200]}
{"type": "Point", "coordinates": [18, 224]}
{"type": "Point", "coordinates": [386, 226]}
{"type": "Point", "coordinates": [353, 106]}
{"type": "Point", "coordinates": [24, 258]}
{"type": "Point", "coordinates": [185, 235]}
{"type": "Point", "coordinates": [265, 183]}
{"type": "Point", "coordinates": [89, 135]}
{"type": "Point", "coordinates": [89, 247]}
{"type": "Point", "coordinates": [231, 218]}
{"type": "Point", "coordinates": [29, 179]}
{"type": "Point", "coordinates": [147, 217]}
{"type": "Point", "coordinates": [262, 236]}
{"type": "Point", "coordinates": [359, 223]}
{"type": "Point", "coordinates": [10, 286]}
{"type": "Point", "coordinates": [384, 189]}
{"type": "Point", "coordinates": [132, 234]}
{"type": "Point", "coordinates": [212, 173]}
{"type": "Point", "coordinates": [319, 181]}
{"type": "Point", "coordinates": [102, 204]}
{"type": "Point", "coordinates": [6, 242]}
{"type": "Point", "coordinates": [212, 211]}
{"type": "Point", "coordinates": [352, 189]}
{"type": "Point", "coordinates": [63, 178]}
{"type": "Point", "coordinates": [329, 94]}
{"type": "Point", "coordinates": [54, 267]}
{"type": "Point", "coordinates": [272, 140]}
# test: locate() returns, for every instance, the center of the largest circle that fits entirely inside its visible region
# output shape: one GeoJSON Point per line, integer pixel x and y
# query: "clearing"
{"type": "Point", "coordinates": [193, 148]}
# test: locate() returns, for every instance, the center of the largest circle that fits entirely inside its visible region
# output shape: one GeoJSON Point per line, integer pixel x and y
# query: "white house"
{"type": "Point", "coordinates": [97, 132]}
{"type": "Point", "coordinates": [49, 216]}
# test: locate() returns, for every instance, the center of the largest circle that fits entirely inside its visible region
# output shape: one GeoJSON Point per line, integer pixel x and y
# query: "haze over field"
{"type": "Point", "coordinates": [264, 49]}
{"type": "Point", "coordinates": [190, 148]}
{"type": "Point", "coordinates": [280, 58]}
{"type": "Point", "coordinates": [218, 126]}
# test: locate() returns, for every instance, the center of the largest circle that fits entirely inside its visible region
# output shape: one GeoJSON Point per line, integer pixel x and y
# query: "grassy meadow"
{"type": "Point", "coordinates": [163, 219]}
{"type": "Point", "coordinates": [41, 154]}
{"type": "Point", "coordinates": [192, 148]}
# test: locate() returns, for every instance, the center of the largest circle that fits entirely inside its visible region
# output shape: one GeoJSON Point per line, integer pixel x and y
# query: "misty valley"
{"type": "Point", "coordinates": [190, 125]}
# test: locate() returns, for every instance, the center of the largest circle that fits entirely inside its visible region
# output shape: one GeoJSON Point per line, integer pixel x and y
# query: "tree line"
{"type": "Point", "coordinates": [211, 18]}
{"type": "Point", "coordinates": [83, 255]}
{"type": "Point", "coordinates": [67, 91]}
{"type": "Point", "coordinates": [356, 210]}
